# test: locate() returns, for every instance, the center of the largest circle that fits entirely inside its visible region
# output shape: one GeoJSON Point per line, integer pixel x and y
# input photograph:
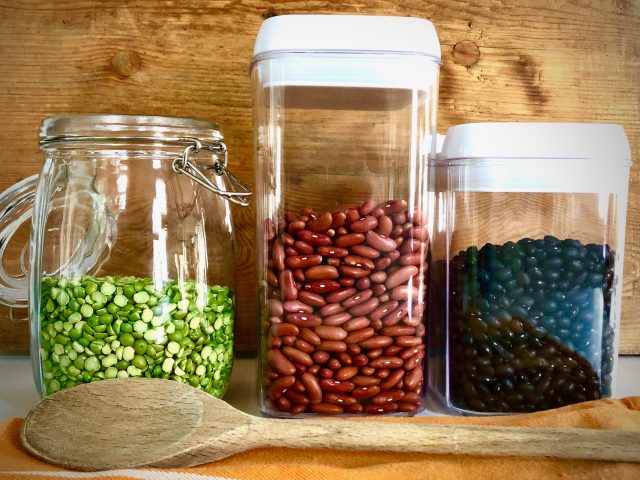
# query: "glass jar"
{"type": "Point", "coordinates": [527, 265]}
{"type": "Point", "coordinates": [343, 126]}
{"type": "Point", "coordinates": [131, 252]}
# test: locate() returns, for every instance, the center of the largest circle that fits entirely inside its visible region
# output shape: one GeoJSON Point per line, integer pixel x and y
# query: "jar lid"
{"type": "Point", "coordinates": [606, 142]}
{"type": "Point", "coordinates": [356, 33]}
{"type": "Point", "coordinates": [126, 127]}
{"type": "Point", "coordinates": [536, 157]}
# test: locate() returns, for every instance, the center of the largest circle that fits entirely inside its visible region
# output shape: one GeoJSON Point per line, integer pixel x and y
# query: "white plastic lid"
{"type": "Point", "coordinates": [319, 50]}
{"type": "Point", "coordinates": [538, 157]}
{"type": "Point", "coordinates": [357, 33]}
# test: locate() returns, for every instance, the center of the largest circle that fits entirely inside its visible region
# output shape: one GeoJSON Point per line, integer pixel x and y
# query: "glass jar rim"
{"type": "Point", "coordinates": [100, 127]}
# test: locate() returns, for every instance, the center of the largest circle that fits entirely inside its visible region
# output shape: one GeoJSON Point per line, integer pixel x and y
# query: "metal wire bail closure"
{"type": "Point", "coordinates": [239, 190]}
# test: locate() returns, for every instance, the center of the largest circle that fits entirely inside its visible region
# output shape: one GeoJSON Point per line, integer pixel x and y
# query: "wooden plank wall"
{"type": "Point", "coordinates": [544, 60]}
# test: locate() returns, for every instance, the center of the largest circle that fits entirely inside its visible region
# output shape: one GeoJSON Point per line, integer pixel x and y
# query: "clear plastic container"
{"type": "Point", "coordinates": [345, 113]}
{"type": "Point", "coordinates": [527, 265]}
{"type": "Point", "coordinates": [131, 267]}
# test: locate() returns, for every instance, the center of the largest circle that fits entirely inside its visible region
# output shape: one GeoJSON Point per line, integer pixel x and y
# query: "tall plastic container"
{"type": "Point", "coordinates": [345, 114]}
{"type": "Point", "coordinates": [527, 264]}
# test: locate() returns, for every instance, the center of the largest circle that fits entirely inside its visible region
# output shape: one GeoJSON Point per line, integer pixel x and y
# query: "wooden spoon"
{"type": "Point", "coordinates": [159, 423]}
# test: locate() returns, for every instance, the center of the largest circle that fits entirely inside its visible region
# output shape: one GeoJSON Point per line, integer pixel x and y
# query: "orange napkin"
{"type": "Point", "coordinates": [284, 464]}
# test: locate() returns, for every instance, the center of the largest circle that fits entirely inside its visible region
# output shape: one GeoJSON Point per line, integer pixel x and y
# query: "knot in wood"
{"type": "Point", "coordinates": [125, 63]}
{"type": "Point", "coordinates": [466, 53]}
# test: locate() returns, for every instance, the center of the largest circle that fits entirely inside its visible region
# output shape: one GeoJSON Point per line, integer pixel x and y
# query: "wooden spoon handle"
{"type": "Point", "coordinates": [470, 440]}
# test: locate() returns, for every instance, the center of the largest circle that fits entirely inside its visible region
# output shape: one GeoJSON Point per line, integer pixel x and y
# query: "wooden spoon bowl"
{"type": "Point", "coordinates": [127, 423]}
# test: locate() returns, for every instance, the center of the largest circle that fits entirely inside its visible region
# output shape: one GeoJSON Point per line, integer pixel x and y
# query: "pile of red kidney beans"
{"type": "Point", "coordinates": [343, 320]}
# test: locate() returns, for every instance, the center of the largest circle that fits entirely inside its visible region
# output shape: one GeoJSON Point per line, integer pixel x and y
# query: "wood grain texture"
{"type": "Point", "coordinates": [198, 428]}
{"type": "Point", "coordinates": [543, 60]}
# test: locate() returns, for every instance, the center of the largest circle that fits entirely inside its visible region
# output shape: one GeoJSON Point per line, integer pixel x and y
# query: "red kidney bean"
{"type": "Point", "coordinates": [303, 319]}
{"type": "Point", "coordinates": [394, 377]}
{"type": "Point", "coordinates": [395, 316]}
{"type": "Point", "coordinates": [290, 251]}
{"type": "Point", "coordinates": [287, 239]}
{"type": "Point", "coordinates": [280, 363]}
{"type": "Point", "coordinates": [339, 399]}
{"type": "Point", "coordinates": [412, 321]}
{"type": "Point", "coordinates": [357, 298]}
{"type": "Point", "coordinates": [330, 308]}
{"type": "Point", "coordinates": [320, 224]}
{"type": "Point", "coordinates": [342, 231]}
{"type": "Point", "coordinates": [410, 351]}
{"type": "Point", "coordinates": [369, 370]}
{"type": "Point", "coordinates": [303, 261]}
{"type": "Point", "coordinates": [385, 362]}
{"type": "Point", "coordinates": [356, 323]}
{"type": "Point", "coordinates": [408, 341]}
{"type": "Point", "coordinates": [377, 342]}
{"type": "Point", "coordinates": [380, 242]}
{"type": "Point", "coordinates": [275, 306]}
{"type": "Point", "coordinates": [333, 346]}
{"type": "Point", "coordinates": [359, 336]}
{"type": "Point", "coordinates": [287, 285]}
{"type": "Point", "coordinates": [295, 226]}
{"type": "Point", "coordinates": [326, 409]}
{"type": "Point", "coordinates": [271, 278]}
{"type": "Point", "coordinates": [312, 299]}
{"type": "Point", "coordinates": [273, 342]}
{"type": "Point", "coordinates": [315, 239]}
{"type": "Point", "coordinates": [419, 233]}
{"type": "Point", "coordinates": [356, 408]}
{"type": "Point", "coordinates": [379, 290]}
{"type": "Point", "coordinates": [418, 308]}
{"type": "Point", "coordinates": [297, 397]}
{"type": "Point", "coordinates": [321, 286]}
{"type": "Point", "coordinates": [364, 381]}
{"type": "Point", "coordinates": [367, 207]}
{"type": "Point", "coordinates": [363, 283]}
{"type": "Point", "coordinates": [363, 251]}
{"type": "Point", "coordinates": [297, 409]}
{"type": "Point", "coordinates": [410, 246]}
{"type": "Point", "coordinates": [385, 225]}
{"type": "Point", "coordinates": [413, 362]}
{"type": "Point", "coordinates": [392, 350]}
{"type": "Point", "coordinates": [405, 292]}
{"type": "Point", "coordinates": [281, 329]}
{"type": "Point", "coordinates": [352, 215]}
{"type": "Point", "coordinates": [382, 373]}
{"type": "Point", "coordinates": [413, 379]}
{"type": "Point", "coordinates": [283, 404]}
{"type": "Point", "coordinates": [396, 231]}
{"type": "Point", "coordinates": [382, 263]}
{"type": "Point", "coordinates": [337, 319]}
{"type": "Point", "coordinates": [347, 282]}
{"type": "Point", "coordinates": [407, 407]}
{"type": "Point", "coordinates": [303, 346]}
{"type": "Point", "coordinates": [359, 359]}
{"type": "Point", "coordinates": [349, 240]}
{"type": "Point", "coordinates": [320, 356]}
{"type": "Point", "coordinates": [296, 306]}
{"type": "Point", "coordinates": [364, 225]}
{"type": "Point", "coordinates": [321, 272]}
{"type": "Point", "coordinates": [314, 391]}
{"type": "Point", "coordinates": [360, 262]}
{"type": "Point", "coordinates": [334, 262]}
{"type": "Point", "coordinates": [344, 358]}
{"type": "Point", "coordinates": [334, 364]}
{"type": "Point", "coordinates": [415, 258]}
{"type": "Point", "coordinates": [365, 308]}
{"type": "Point", "coordinates": [387, 397]}
{"type": "Point", "coordinates": [309, 336]}
{"type": "Point", "coordinates": [326, 373]}
{"type": "Point", "coordinates": [332, 252]}
{"type": "Point", "coordinates": [328, 332]}
{"type": "Point", "coordinates": [378, 277]}
{"type": "Point", "coordinates": [353, 272]}
{"type": "Point", "coordinates": [338, 219]}
{"type": "Point", "coordinates": [393, 206]}
{"type": "Point", "coordinates": [345, 373]}
{"type": "Point", "coordinates": [297, 356]}
{"type": "Point", "coordinates": [302, 248]}
{"type": "Point", "coordinates": [399, 218]}
{"type": "Point", "coordinates": [278, 254]}
{"type": "Point", "coordinates": [298, 276]}
{"type": "Point", "coordinates": [400, 276]}
{"type": "Point", "coordinates": [413, 398]}
{"type": "Point", "coordinates": [365, 392]}
{"type": "Point", "coordinates": [331, 385]}
{"type": "Point", "coordinates": [353, 349]}
{"type": "Point", "coordinates": [373, 409]}
{"type": "Point", "coordinates": [340, 295]}
{"type": "Point", "coordinates": [290, 217]}
{"type": "Point", "coordinates": [397, 330]}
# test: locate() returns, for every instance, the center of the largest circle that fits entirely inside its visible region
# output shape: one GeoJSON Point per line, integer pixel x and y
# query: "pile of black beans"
{"type": "Point", "coordinates": [530, 327]}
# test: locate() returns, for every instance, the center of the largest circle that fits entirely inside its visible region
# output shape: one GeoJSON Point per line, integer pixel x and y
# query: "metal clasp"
{"type": "Point", "coordinates": [239, 191]}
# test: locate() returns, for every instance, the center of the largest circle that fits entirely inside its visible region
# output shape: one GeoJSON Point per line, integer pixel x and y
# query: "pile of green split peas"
{"type": "Point", "coordinates": [116, 327]}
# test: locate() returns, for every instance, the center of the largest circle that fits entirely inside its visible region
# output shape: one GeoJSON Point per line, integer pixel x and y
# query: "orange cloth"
{"type": "Point", "coordinates": [284, 464]}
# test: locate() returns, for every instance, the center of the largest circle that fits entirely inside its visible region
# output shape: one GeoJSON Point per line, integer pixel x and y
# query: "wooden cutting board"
{"type": "Point", "coordinates": [544, 61]}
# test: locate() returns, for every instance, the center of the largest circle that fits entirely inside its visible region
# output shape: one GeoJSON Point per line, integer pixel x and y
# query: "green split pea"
{"type": "Point", "coordinates": [115, 327]}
